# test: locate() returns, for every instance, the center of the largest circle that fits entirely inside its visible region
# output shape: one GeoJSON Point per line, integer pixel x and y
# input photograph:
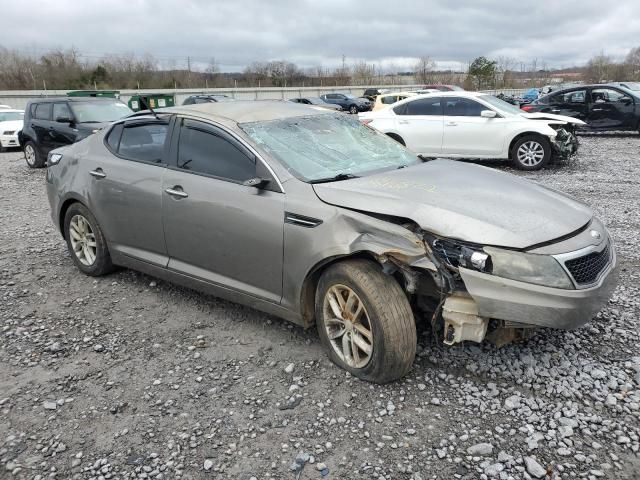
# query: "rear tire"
{"type": "Point", "coordinates": [86, 242]}
{"type": "Point", "coordinates": [31, 155]}
{"type": "Point", "coordinates": [531, 152]}
{"type": "Point", "coordinates": [365, 321]}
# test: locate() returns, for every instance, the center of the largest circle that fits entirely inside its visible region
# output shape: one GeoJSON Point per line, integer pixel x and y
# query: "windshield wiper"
{"type": "Point", "coordinates": [335, 178]}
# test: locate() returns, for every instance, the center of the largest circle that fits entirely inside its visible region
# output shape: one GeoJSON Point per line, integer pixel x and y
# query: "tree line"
{"type": "Point", "coordinates": [69, 70]}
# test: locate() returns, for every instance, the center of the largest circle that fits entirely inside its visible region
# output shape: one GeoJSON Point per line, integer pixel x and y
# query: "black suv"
{"type": "Point", "coordinates": [218, 97]}
{"type": "Point", "coordinates": [54, 122]}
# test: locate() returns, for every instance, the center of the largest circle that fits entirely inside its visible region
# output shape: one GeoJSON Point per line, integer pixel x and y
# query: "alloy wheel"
{"type": "Point", "coordinates": [30, 155]}
{"type": "Point", "coordinates": [83, 240]}
{"type": "Point", "coordinates": [353, 109]}
{"type": "Point", "coordinates": [530, 153]}
{"type": "Point", "coordinates": [348, 326]}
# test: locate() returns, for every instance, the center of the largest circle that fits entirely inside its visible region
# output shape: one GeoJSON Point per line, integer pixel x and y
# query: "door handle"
{"type": "Point", "coordinates": [451, 124]}
{"type": "Point", "coordinates": [597, 109]}
{"type": "Point", "coordinates": [403, 122]}
{"type": "Point", "coordinates": [555, 110]}
{"type": "Point", "coordinates": [177, 192]}
{"type": "Point", "coordinates": [98, 173]}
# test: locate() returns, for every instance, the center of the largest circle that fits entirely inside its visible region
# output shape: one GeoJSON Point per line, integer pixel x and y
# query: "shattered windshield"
{"type": "Point", "coordinates": [327, 146]}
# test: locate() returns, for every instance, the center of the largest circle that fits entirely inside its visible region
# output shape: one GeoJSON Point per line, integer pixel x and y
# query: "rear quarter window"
{"type": "Point", "coordinates": [113, 137]}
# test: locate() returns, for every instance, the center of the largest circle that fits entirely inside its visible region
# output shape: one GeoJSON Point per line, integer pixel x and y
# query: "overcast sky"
{"type": "Point", "coordinates": [318, 32]}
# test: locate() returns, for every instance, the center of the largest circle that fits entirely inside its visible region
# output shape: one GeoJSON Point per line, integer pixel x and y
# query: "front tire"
{"type": "Point", "coordinates": [86, 242]}
{"type": "Point", "coordinates": [353, 109]}
{"type": "Point", "coordinates": [531, 152]}
{"type": "Point", "coordinates": [31, 155]}
{"type": "Point", "coordinates": [365, 321]}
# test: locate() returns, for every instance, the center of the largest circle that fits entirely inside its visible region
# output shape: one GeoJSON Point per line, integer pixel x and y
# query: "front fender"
{"type": "Point", "coordinates": [344, 233]}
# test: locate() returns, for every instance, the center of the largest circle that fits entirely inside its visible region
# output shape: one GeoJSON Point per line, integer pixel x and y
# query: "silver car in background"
{"type": "Point", "coordinates": [316, 218]}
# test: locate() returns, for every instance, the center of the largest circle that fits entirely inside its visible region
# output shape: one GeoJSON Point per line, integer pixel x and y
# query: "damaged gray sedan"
{"type": "Point", "coordinates": [313, 217]}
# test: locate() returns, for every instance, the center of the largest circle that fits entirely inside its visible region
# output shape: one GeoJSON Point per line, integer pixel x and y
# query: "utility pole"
{"type": "Point", "coordinates": [188, 71]}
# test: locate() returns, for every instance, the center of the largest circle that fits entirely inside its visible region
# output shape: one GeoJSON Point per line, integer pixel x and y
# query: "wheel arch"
{"type": "Point", "coordinates": [62, 211]}
{"type": "Point", "coordinates": [310, 283]}
{"type": "Point", "coordinates": [524, 134]}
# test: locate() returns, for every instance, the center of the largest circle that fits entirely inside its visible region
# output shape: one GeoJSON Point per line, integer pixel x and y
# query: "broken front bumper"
{"type": "Point", "coordinates": [565, 144]}
{"type": "Point", "coordinates": [535, 305]}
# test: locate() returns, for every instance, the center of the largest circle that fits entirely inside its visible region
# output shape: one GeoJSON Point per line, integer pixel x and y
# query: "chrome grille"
{"type": "Point", "coordinates": [585, 270]}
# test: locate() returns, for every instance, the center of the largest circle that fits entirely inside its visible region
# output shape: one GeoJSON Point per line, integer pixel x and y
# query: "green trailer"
{"type": "Point", "coordinates": [94, 93]}
{"type": "Point", "coordinates": [144, 101]}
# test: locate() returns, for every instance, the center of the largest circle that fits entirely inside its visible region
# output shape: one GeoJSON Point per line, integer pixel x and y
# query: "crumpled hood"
{"type": "Point", "coordinates": [552, 117]}
{"type": "Point", "coordinates": [463, 201]}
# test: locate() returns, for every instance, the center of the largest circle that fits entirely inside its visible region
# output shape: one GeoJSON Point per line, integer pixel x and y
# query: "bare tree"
{"type": "Point", "coordinates": [424, 70]}
{"type": "Point", "coordinates": [505, 67]}
{"type": "Point", "coordinates": [599, 69]}
{"type": "Point", "coordinates": [362, 73]}
{"type": "Point", "coordinates": [632, 61]}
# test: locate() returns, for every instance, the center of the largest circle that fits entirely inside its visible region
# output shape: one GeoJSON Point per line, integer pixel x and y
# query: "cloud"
{"type": "Point", "coordinates": [312, 33]}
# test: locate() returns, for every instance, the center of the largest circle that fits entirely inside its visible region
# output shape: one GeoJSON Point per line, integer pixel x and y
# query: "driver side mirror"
{"type": "Point", "coordinates": [488, 114]}
{"type": "Point", "coordinates": [64, 120]}
{"type": "Point", "coordinates": [626, 100]}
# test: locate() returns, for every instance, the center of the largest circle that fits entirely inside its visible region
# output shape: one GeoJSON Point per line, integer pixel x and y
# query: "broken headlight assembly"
{"type": "Point", "coordinates": [528, 267]}
{"type": "Point", "coordinates": [461, 254]}
{"type": "Point", "coordinates": [523, 267]}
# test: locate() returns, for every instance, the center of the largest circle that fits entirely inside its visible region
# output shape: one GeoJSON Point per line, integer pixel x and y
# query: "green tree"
{"type": "Point", "coordinates": [483, 72]}
{"type": "Point", "coordinates": [99, 76]}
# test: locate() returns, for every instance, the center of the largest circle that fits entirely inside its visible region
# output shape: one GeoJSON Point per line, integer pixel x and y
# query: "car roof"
{"type": "Point", "coordinates": [593, 85]}
{"type": "Point", "coordinates": [246, 111]}
{"type": "Point", "coordinates": [73, 99]}
{"type": "Point", "coordinates": [207, 95]}
{"type": "Point", "coordinates": [451, 93]}
{"type": "Point", "coordinates": [390, 94]}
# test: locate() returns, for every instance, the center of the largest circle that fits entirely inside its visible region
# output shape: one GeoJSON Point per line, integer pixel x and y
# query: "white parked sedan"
{"type": "Point", "coordinates": [11, 122]}
{"type": "Point", "coordinates": [475, 125]}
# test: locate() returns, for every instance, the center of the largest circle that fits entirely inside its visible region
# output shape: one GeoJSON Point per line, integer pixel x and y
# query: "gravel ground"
{"type": "Point", "coordinates": [128, 377]}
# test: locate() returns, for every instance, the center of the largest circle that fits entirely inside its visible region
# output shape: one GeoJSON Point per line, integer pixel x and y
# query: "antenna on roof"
{"type": "Point", "coordinates": [152, 111]}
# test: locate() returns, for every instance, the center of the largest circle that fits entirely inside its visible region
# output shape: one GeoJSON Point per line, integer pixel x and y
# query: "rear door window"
{"type": "Point", "coordinates": [574, 96]}
{"type": "Point", "coordinates": [143, 142]}
{"type": "Point", "coordinates": [43, 111]}
{"type": "Point", "coordinates": [422, 106]}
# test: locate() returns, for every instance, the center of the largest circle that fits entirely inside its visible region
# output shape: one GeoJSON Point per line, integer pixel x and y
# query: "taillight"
{"type": "Point", "coordinates": [527, 108]}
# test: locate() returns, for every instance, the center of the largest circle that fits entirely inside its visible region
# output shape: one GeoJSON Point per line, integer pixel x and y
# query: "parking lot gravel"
{"type": "Point", "coordinates": [126, 376]}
